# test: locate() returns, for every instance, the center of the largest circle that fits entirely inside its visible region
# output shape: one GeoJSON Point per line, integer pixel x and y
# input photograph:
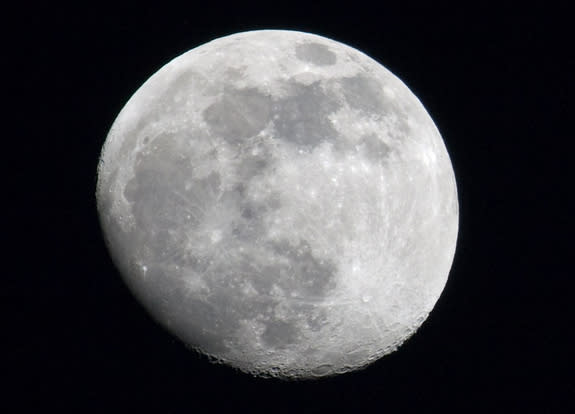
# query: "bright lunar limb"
{"type": "Point", "coordinates": [281, 202]}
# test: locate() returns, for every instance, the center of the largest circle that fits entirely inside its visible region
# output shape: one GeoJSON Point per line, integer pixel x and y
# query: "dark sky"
{"type": "Point", "coordinates": [498, 84]}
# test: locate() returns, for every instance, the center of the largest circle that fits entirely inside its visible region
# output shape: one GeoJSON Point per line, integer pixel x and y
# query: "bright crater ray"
{"type": "Point", "coordinates": [280, 202]}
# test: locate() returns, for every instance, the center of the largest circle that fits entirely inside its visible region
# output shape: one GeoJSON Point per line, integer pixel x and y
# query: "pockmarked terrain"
{"type": "Point", "coordinates": [281, 202]}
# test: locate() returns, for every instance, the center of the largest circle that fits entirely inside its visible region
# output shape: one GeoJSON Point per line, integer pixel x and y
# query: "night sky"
{"type": "Point", "coordinates": [498, 85]}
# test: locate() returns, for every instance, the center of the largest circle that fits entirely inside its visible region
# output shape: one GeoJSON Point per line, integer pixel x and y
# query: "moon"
{"type": "Point", "coordinates": [281, 202]}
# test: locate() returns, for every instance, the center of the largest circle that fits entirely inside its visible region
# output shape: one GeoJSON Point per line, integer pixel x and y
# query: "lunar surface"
{"type": "Point", "coordinates": [281, 202]}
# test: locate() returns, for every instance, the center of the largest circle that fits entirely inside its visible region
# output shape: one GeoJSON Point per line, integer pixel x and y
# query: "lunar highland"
{"type": "Point", "coordinates": [281, 202]}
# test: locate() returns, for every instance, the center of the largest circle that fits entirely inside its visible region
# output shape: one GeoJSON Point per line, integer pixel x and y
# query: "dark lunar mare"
{"type": "Point", "coordinates": [191, 229]}
{"type": "Point", "coordinates": [315, 53]}
{"type": "Point", "coordinates": [302, 117]}
{"type": "Point", "coordinates": [169, 204]}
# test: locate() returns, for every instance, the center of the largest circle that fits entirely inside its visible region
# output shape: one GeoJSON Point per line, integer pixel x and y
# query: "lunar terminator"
{"type": "Point", "coordinates": [281, 202]}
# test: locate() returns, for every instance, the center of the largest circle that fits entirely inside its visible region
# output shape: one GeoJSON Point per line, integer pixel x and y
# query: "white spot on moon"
{"type": "Point", "coordinates": [292, 200]}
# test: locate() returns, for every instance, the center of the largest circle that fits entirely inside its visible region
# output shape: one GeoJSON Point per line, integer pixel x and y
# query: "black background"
{"type": "Point", "coordinates": [497, 82]}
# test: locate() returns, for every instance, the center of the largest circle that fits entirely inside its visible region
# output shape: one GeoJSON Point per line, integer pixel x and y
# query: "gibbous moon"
{"type": "Point", "coordinates": [280, 202]}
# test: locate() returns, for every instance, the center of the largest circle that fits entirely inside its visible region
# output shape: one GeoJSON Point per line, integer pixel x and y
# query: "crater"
{"type": "Point", "coordinates": [321, 370]}
{"type": "Point", "coordinates": [279, 334]}
{"type": "Point", "coordinates": [315, 53]}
